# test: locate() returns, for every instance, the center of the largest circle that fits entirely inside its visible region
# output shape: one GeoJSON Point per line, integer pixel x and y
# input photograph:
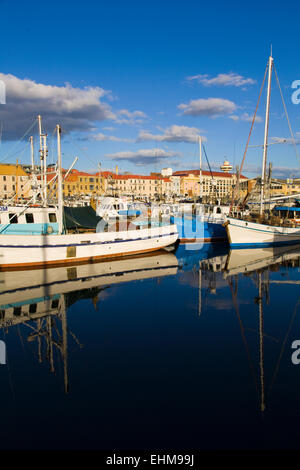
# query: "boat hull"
{"type": "Point", "coordinates": [244, 234]}
{"type": "Point", "coordinates": [38, 250]}
{"type": "Point", "coordinates": [193, 229]}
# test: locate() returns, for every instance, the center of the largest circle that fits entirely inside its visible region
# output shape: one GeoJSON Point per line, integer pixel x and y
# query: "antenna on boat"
{"type": "Point", "coordinates": [59, 181]}
{"type": "Point", "coordinates": [264, 162]}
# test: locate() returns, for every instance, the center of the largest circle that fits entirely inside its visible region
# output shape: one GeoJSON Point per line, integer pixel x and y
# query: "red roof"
{"type": "Point", "coordinates": [205, 173]}
{"type": "Point", "coordinates": [140, 177]}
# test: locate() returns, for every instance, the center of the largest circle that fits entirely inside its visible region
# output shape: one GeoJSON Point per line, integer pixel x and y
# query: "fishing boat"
{"type": "Point", "coordinates": [197, 222]}
{"type": "Point", "coordinates": [266, 228]}
{"type": "Point", "coordinates": [119, 208]}
{"type": "Point", "coordinates": [38, 236]}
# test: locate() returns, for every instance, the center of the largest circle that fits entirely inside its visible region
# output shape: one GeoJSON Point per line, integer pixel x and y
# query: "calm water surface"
{"type": "Point", "coordinates": [190, 350]}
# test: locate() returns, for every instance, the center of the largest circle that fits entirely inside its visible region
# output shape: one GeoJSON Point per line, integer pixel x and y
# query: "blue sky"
{"type": "Point", "coordinates": [134, 82]}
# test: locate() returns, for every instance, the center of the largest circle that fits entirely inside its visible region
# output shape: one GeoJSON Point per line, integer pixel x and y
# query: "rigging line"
{"type": "Point", "coordinates": [283, 345]}
{"type": "Point", "coordinates": [286, 115]}
{"type": "Point", "coordinates": [236, 306]}
{"type": "Point", "coordinates": [79, 148]}
{"type": "Point", "coordinates": [250, 132]}
{"type": "Point", "coordinates": [212, 176]}
{"type": "Point", "coordinates": [24, 135]}
{"type": "Point", "coordinates": [17, 152]}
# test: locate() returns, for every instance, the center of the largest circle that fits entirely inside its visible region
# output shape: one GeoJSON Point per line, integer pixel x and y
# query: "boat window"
{"type": "Point", "coordinates": [32, 308]}
{"type": "Point", "coordinates": [52, 217]}
{"type": "Point", "coordinates": [17, 311]}
{"type": "Point", "coordinates": [13, 219]}
{"type": "Point", "coordinates": [54, 303]}
{"type": "Point", "coordinates": [29, 218]}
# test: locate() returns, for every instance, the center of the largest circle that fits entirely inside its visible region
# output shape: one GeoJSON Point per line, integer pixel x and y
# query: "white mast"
{"type": "Point", "coordinates": [33, 177]}
{"type": "Point", "coordinates": [41, 149]}
{"type": "Point", "coordinates": [59, 182]}
{"type": "Point", "coordinates": [264, 163]}
{"type": "Point", "coordinates": [44, 136]}
{"type": "Point", "coordinates": [200, 175]}
{"type": "Point", "coordinates": [32, 154]}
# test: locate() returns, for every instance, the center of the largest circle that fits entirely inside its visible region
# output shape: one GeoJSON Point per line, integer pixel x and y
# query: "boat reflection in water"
{"type": "Point", "coordinates": [257, 265]}
{"type": "Point", "coordinates": [39, 298]}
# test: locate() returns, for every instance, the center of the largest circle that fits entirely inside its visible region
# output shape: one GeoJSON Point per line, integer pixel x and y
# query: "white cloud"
{"type": "Point", "coordinates": [129, 117]}
{"type": "Point", "coordinates": [172, 134]}
{"type": "Point", "coordinates": [286, 140]}
{"type": "Point", "coordinates": [245, 117]}
{"type": "Point", "coordinates": [249, 117]}
{"type": "Point", "coordinates": [143, 156]}
{"type": "Point", "coordinates": [76, 109]}
{"type": "Point", "coordinates": [285, 172]}
{"type": "Point", "coordinates": [223, 79]}
{"type": "Point", "coordinates": [208, 107]}
{"type": "Point", "coordinates": [103, 137]}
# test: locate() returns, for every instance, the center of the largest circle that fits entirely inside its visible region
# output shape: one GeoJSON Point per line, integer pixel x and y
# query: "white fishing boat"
{"type": "Point", "coordinates": [264, 229]}
{"type": "Point", "coordinates": [38, 236]}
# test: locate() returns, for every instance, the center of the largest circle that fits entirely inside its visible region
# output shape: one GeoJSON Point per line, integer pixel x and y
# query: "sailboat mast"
{"type": "Point", "coordinates": [45, 168]}
{"type": "Point", "coordinates": [200, 174]}
{"type": "Point", "coordinates": [59, 182]}
{"type": "Point", "coordinates": [264, 162]}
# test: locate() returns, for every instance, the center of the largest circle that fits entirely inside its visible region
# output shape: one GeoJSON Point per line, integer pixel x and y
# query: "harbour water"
{"type": "Point", "coordinates": [191, 350]}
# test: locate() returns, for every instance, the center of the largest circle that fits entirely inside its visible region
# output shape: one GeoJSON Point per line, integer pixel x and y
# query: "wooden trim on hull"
{"type": "Point", "coordinates": [74, 261]}
{"type": "Point", "coordinates": [203, 240]}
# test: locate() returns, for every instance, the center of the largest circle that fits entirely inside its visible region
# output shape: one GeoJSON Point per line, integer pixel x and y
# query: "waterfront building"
{"type": "Point", "coordinates": [278, 187]}
{"type": "Point", "coordinates": [226, 167]}
{"type": "Point", "coordinates": [149, 187]}
{"type": "Point", "coordinates": [14, 182]}
{"type": "Point", "coordinates": [214, 184]}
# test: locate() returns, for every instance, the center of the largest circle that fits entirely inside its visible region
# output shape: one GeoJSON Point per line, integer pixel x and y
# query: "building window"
{"type": "Point", "coordinates": [4, 178]}
{"type": "Point", "coordinates": [29, 218]}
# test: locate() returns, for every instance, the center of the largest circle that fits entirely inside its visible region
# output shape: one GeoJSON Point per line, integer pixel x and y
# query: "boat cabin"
{"type": "Point", "coordinates": [31, 220]}
{"type": "Point", "coordinates": [286, 212]}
